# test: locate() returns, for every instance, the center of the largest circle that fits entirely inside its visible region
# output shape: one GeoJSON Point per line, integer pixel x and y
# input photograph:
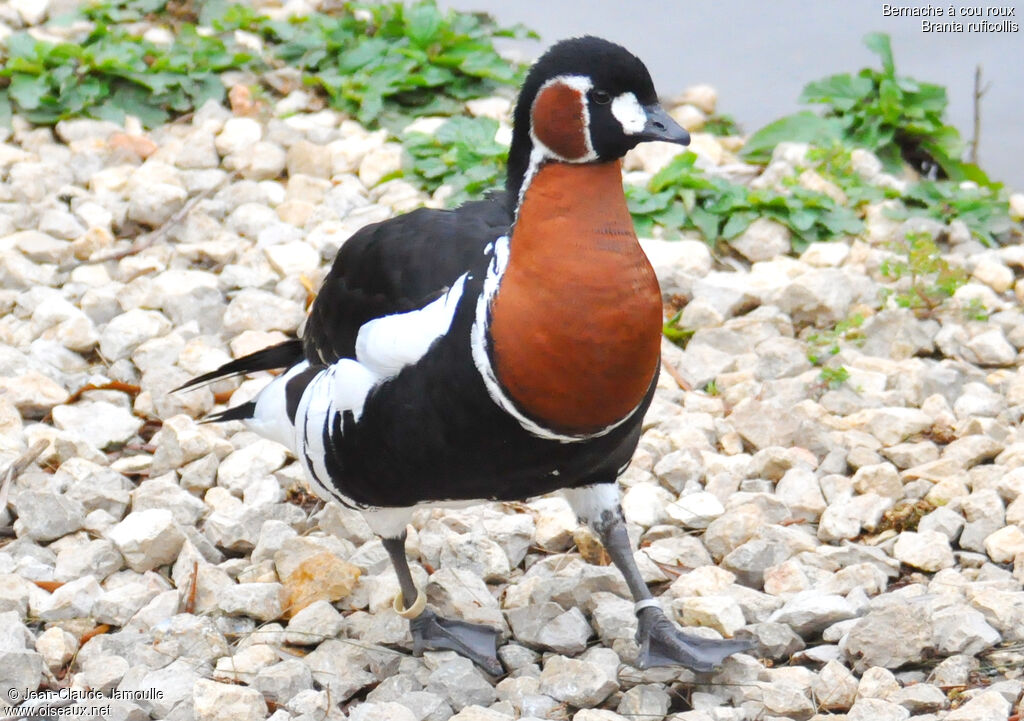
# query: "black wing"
{"type": "Point", "coordinates": [396, 266]}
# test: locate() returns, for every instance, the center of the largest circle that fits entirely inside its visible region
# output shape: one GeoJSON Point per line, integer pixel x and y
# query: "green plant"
{"type": "Point", "coordinates": [722, 125]}
{"type": "Point", "coordinates": [834, 162]}
{"type": "Point", "coordinates": [931, 280]}
{"type": "Point", "coordinates": [676, 333]}
{"type": "Point", "coordinates": [114, 72]}
{"type": "Point", "coordinates": [681, 196]}
{"type": "Point", "coordinates": [899, 118]}
{"type": "Point", "coordinates": [985, 211]}
{"type": "Point", "coordinates": [826, 343]}
{"type": "Point", "coordinates": [462, 153]}
{"type": "Point", "coordinates": [834, 377]}
{"type": "Point", "coordinates": [385, 63]}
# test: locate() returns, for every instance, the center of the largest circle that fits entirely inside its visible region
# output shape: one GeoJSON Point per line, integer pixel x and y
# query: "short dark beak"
{"type": "Point", "coordinates": [661, 126]}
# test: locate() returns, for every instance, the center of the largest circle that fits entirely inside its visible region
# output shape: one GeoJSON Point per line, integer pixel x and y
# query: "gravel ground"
{"type": "Point", "coordinates": [868, 534]}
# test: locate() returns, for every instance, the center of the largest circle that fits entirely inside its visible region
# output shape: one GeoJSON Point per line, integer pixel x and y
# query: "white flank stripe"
{"type": "Point", "coordinates": [383, 347]}
{"type": "Point", "coordinates": [270, 418]}
{"type": "Point", "coordinates": [386, 345]}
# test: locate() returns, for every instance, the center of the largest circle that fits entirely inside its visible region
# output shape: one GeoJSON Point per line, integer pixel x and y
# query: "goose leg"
{"type": "Point", "coordinates": [431, 632]}
{"type": "Point", "coordinates": [661, 641]}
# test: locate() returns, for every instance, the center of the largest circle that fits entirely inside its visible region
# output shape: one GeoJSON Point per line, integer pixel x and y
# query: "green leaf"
{"type": "Point", "coordinates": [802, 219]}
{"type": "Point", "coordinates": [707, 223]}
{"type": "Point", "coordinates": [28, 90]}
{"type": "Point", "coordinates": [23, 45]}
{"type": "Point", "coordinates": [5, 109]}
{"type": "Point", "coordinates": [673, 218]}
{"type": "Point", "coordinates": [843, 92]}
{"type": "Point", "coordinates": [737, 223]}
{"type": "Point", "coordinates": [803, 127]}
{"type": "Point", "coordinates": [422, 22]}
{"type": "Point", "coordinates": [134, 100]}
{"type": "Point", "coordinates": [642, 201]}
{"type": "Point", "coordinates": [644, 225]}
{"type": "Point", "coordinates": [890, 99]}
{"type": "Point", "coordinates": [367, 52]}
{"type": "Point", "coordinates": [879, 44]}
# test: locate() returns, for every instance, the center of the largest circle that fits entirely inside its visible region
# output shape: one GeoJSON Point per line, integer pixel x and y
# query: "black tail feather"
{"type": "Point", "coordinates": [281, 355]}
{"type": "Point", "coordinates": [238, 413]}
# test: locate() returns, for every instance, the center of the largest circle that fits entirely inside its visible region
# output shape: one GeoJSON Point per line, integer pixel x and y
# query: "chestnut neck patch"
{"type": "Point", "coordinates": [576, 322]}
{"type": "Point", "coordinates": [559, 120]}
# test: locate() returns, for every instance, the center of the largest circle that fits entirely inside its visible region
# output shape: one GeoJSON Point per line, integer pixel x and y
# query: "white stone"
{"type": "Point", "coordinates": [72, 600]}
{"type": "Point", "coordinates": [873, 709]}
{"type": "Point", "coordinates": [811, 611]}
{"type": "Point", "coordinates": [645, 504]}
{"type": "Point", "coordinates": [250, 463]}
{"type": "Point", "coordinates": [57, 647]}
{"type": "Point", "coordinates": [379, 163]}
{"type": "Point", "coordinates": [721, 613]}
{"type": "Point", "coordinates": [45, 516]}
{"type": "Point", "coordinates": [128, 331]}
{"type": "Point", "coordinates": [986, 706]}
{"type": "Point", "coordinates": [215, 701]}
{"type": "Point", "coordinates": [262, 161]}
{"type": "Point", "coordinates": [494, 107]}
{"type": "Point", "coordinates": [877, 682]}
{"type": "Point", "coordinates": [100, 423]}
{"type": "Point", "coordinates": [865, 163]}
{"type": "Point", "coordinates": [890, 425]}
{"type": "Point", "coordinates": [703, 96]}
{"type": "Point", "coordinates": [155, 204]}
{"type": "Point", "coordinates": [991, 348]}
{"type": "Point", "coordinates": [117, 605]}
{"type": "Point", "coordinates": [575, 682]}
{"type": "Point", "coordinates": [994, 274]}
{"type": "Point", "coordinates": [1004, 545]}
{"type": "Point", "coordinates": [98, 557]}
{"type": "Point", "coordinates": [314, 623]}
{"type": "Point", "coordinates": [147, 539]}
{"type": "Point", "coordinates": [253, 309]}
{"type": "Point", "coordinates": [245, 664]}
{"type": "Point", "coordinates": [1017, 206]}
{"type": "Point", "coordinates": [383, 711]}
{"type": "Point", "coordinates": [293, 258]}
{"type": "Point", "coordinates": [238, 136]}
{"type": "Point", "coordinates": [927, 550]}
{"type": "Point", "coordinates": [262, 601]}
{"type": "Point", "coordinates": [961, 629]}
{"type": "Point", "coordinates": [695, 510]}
{"type": "Point", "coordinates": [32, 393]}
{"type": "Point", "coordinates": [825, 254]}
{"type": "Point", "coordinates": [835, 688]}
{"type": "Point", "coordinates": [763, 239]}
{"type": "Point", "coordinates": [819, 296]}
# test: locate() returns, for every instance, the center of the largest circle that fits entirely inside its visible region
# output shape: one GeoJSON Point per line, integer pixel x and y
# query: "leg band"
{"type": "Point", "coordinates": [414, 610]}
{"type": "Point", "coordinates": [646, 603]}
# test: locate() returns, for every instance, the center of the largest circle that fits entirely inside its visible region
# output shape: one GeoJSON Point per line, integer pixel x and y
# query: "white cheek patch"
{"type": "Point", "coordinates": [630, 114]}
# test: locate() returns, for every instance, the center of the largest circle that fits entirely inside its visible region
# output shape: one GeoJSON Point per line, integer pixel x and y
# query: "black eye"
{"type": "Point", "coordinates": [600, 97]}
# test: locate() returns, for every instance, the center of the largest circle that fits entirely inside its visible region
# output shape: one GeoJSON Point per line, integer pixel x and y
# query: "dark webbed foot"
{"type": "Point", "coordinates": [664, 644]}
{"type": "Point", "coordinates": [476, 642]}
